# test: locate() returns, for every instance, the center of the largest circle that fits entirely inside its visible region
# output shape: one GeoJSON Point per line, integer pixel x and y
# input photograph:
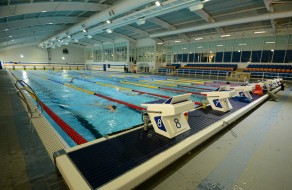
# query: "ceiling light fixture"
{"type": "Point", "coordinates": [199, 38]}
{"type": "Point", "coordinates": [200, 47]}
{"type": "Point", "coordinates": [159, 43]}
{"type": "Point", "coordinates": [69, 36]}
{"type": "Point", "coordinates": [109, 30]}
{"type": "Point", "coordinates": [270, 42]}
{"type": "Point", "coordinates": [108, 21]}
{"type": "Point", "coordinates": [259, 32]}
{"type": "Point", "coordinates": [176, 41]}
{"type": "Point", "coordinates": [83, 30]}
{"type": "Point", "coordinates": [141, 21]}
{"type": "Point", "coordinates": [76, 40]}
{"type": "Point", "coordinates": [219, 45]}
{"type": "Point", "coordinates": [89, 36]}
{"type": "Point", "coordinates": [157, 3]}
{"type": "Point", "coordinates": [10, 36]}
{"type": "Point", "coordinates": [244, 44]}
{"type": "Point", "coordinates": [226, 35]}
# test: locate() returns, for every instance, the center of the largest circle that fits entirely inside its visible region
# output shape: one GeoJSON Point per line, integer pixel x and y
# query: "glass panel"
{"type": "Point", "coordinates": [279, 56]}
{"type": "Point", "coordinates": [245, 56]}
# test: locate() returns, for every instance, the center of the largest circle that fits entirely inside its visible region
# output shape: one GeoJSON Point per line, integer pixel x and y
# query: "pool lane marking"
{"type": "Point", "coordinates": [122, 88]}
{"type": "Point", "coordinates": [171, 89]}
{"type": "Point", "coordinates": [74, 135]}
{"type": "Point", "coordinates": [160, 83]}
{"type": "Point", "coordinates": [136, 84]}
{"type": "Point", "coordinates": [99, 95]}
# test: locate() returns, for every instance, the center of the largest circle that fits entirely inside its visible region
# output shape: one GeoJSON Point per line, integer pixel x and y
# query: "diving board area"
{"type": "Point", "coordinates": [126, 160]}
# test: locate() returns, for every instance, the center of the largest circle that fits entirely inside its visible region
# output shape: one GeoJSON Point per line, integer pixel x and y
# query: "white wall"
{"type": "Point", "coordinates": [40, 55]}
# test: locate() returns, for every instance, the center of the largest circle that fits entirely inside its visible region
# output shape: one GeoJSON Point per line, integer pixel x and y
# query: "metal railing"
{"type": "Point", "coordinates": [220, 74]}
{"type": "Point", "coordinates": [217, 74]}
{"type": "Point", "coordinates": [21, 87]}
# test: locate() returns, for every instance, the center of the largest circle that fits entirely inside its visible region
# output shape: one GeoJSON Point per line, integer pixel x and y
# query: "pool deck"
{"type": "Point", "coordinates": [253, 153]}
{"type": "Point", "coordinates": [25, 163]}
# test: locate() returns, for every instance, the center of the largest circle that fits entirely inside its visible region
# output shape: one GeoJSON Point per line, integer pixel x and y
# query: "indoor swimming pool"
{"type": "Point", "coordinates": [81, 98]}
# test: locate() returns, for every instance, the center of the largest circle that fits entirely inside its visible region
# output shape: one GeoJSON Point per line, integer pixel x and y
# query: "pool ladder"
{"type": "Point", "coordinates": [22, 86]}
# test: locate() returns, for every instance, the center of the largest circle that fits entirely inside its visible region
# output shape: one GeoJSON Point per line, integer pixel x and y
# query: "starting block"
{"type": "Point", "coordinates": [271, 83]}
{"type": "Point", "coordinates": [168, 117]}
{"type": "Point", "coordinates": [219, 100]}
{"type": "Point", "coordinates": [243, 91]}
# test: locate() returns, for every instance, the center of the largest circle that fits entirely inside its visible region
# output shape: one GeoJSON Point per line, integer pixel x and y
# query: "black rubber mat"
{"type": "Point", "coordinates": [102, 162]}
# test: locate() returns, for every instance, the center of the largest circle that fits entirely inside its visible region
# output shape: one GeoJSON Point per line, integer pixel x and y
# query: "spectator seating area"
{"type": "Point", "coordinates": [269, 68]}
{"type": "Point", "coordinates": [223, 67]}
{"type": "Point", "coordinates": [207, 69]}
{"type": "Point", "coordinates": [270, 71]}
{"type": "Point", "coordinates": [169, 67]}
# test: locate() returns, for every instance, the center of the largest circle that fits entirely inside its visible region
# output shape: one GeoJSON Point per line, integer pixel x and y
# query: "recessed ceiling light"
{"type": "Point", "coordinates": [259, 32]}
{"type": "Point", "coordinates": [199, 38]}
{"type": "Point", "coordinates": [63, 58]}
{"type": "Point", "coordinates": [272, 50]}
{"type": "Point", "coordinates": [226, 35]}
{"type": "Point", "coordinates": [270, 42]}
{"type": "Point", "coordinates": [21, 56]}
{"type": "Point", "coordinates": [176, 41]}
{"type": "Point", "coordinates": [159, 43]}
{"type": "Point", "coordinates": [238, 50]}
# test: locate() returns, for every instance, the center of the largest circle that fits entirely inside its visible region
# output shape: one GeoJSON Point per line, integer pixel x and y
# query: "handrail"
{"type": "Point", "coordinates": [26, 87]}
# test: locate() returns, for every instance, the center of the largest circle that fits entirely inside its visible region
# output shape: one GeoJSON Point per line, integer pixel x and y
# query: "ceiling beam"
{"type": "Point", "coordinates": [16, 24]}
{"type": "Point", "coordinates": [208, 18]}
{"type": "Point", "coordinates": [28, 8]}
{"type": "Point", "coordinates": [103, 38]}
{"type": "Point", "coordinates": [31, 30]}
{"type": "Point", "coordinates": [124, 37]}
{"type": "Point", "coordinates": [270, 8]}
{"type": "Point", "coordinates": [23, 41]}
{"type": "Point", "coordinates": [161, 23]}
{"type": "Point", "coordinates": [136, 30]}
{"type": "Point", "coordinates": [262, 17]}
{"type": "Point", "coordinates": [168, 26]}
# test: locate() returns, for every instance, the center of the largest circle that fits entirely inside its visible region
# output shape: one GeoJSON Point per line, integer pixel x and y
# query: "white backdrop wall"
{"type": "Point", "coordinates": [38, 55]}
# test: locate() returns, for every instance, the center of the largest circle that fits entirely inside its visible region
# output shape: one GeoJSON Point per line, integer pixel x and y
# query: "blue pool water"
{"type": "Point", "coordinates": [86, 113]}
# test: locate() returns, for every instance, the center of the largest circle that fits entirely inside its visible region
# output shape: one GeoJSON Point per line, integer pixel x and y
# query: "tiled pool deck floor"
{"type": "Point", "coordinates": [24, 162]}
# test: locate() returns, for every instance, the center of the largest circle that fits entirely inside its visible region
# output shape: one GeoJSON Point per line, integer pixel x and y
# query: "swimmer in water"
{"type": "Point", "coordinates": [112, 107]}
